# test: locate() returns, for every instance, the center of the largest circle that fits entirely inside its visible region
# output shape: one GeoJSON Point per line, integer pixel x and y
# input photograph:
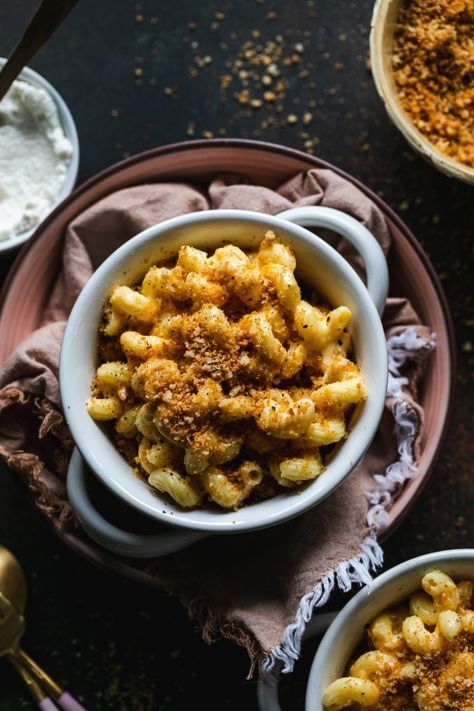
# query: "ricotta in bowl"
{"type": "Point", "coordinates": [34, 158]}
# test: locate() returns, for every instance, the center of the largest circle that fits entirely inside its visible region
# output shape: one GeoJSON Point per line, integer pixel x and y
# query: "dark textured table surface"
{"type": "Point", "coordinates": [142, 75]}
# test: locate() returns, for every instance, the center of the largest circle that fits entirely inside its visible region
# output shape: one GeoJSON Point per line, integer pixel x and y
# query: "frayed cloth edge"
{"type": "Point", "coordinates": [214, 626]}
{"type": "Point", "coordinates": [401, 348]}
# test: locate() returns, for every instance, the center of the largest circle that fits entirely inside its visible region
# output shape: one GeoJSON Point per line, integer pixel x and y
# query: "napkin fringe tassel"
{"type": "Point", "coordinates": [401, 348]}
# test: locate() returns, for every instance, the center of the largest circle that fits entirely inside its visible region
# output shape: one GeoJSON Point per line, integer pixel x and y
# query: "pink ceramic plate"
{"type": "Point", "coordinates": [28, 285]}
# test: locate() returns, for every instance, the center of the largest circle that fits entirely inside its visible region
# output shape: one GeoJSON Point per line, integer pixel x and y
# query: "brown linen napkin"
{"type": "Point", "coordinates": [258, 589]}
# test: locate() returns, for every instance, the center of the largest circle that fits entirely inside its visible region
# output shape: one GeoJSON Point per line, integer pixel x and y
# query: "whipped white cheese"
{"type": "Point", "coordinates": [34, 157]}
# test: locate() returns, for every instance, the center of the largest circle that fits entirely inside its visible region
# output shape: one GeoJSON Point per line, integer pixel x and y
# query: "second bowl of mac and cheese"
{"type": "Point", "coordinates": [226, 370]}
{"type": "Point", "coordinates": [406, 642]}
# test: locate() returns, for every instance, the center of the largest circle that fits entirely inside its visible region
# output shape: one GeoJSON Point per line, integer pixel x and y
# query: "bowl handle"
{"type": "Point", "coordinates": [117, 540]}
{"type": "Point", "coordinates": [358, 235]}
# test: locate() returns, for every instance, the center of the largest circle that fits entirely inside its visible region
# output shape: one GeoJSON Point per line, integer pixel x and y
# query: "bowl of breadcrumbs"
{"type": "Point", "coordinates": [422, 58]}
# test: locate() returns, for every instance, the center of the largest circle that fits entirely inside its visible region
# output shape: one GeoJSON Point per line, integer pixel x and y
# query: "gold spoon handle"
{"type": "Point", "coordinates": [63, 699]}
{"type": "Point", "coordinates": [48, 16]}
{"type": "Point", "coordinates": [36, 671]}
{"type": "Point", "coordinates": [36, 691]}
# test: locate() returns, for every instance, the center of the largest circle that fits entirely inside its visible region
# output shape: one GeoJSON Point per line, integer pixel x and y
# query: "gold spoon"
{"type": "Point", "coordinates": [12, 626]}
{"type": "Point", "coordinates": [48, 16]}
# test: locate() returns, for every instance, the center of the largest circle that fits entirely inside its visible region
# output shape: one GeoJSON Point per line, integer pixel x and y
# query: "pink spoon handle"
{"type": "Point", "coordinates": [67, 703]}
{"type": "Point", "coordinates": [47, 705]}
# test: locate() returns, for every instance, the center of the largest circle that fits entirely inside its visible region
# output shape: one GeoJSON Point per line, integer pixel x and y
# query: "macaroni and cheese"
{"type": "Point", "coordinates": [222, 383]}
{"type": "Point", "coordinates": [421, 656]}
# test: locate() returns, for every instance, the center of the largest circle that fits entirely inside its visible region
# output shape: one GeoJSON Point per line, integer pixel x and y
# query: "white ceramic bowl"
{"type": "Point", "coordinates": [67, 122]}
{"type": "Point", "coordinates": [318, 264]}
{"type": "Point", "coordinates": [393, 586]}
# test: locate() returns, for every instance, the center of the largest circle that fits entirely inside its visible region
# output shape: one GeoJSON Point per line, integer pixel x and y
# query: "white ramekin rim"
{"type": "Point", "coordinates": [98, 458]}
{"type": "Point", "coordinates": [389, 583]}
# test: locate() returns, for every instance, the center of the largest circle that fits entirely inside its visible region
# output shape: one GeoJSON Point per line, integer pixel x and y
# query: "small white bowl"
{"type": "Point", "coordinates": [318, 264]}
{"type": "Point", "coordinates": [382, 28]}
{"type": "Point", "coordinates": [67, 122]}
{"type": "Point", "coordinates": [347, 630]}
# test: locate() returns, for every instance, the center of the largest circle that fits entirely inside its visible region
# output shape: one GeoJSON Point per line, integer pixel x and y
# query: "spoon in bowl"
{"type": "Point", "coordinates": [48, 16]}
{"type": "Point", "coordinates": [12, 626]}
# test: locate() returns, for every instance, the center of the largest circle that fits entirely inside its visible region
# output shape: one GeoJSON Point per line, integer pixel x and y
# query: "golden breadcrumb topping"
{"type": "Point", "coordinates": [433, 65]}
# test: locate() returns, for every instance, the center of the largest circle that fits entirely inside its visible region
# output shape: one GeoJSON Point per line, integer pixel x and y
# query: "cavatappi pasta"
{"type": "Point", "coordinates": [220, 381]}
{"type": "Point", "coordinates": [421, 655]}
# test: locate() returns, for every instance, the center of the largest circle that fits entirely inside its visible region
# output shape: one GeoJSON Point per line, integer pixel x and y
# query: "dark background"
{"type": "Point", "coordinates": [137, 76]}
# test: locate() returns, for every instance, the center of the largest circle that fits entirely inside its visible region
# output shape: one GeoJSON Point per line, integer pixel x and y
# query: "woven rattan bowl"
{"type": "Point", "coordinates": [381, 41]}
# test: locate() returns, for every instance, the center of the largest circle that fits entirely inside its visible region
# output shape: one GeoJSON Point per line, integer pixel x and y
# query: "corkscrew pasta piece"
{"type": "Point", "coordinates": [186, 491]}
{"type": "Point", "coordinates": [126, 423]}
{"type": "Point", "coordinates": [192, 260]}
{"type": "Point", "coordinates": [272, 251]}
{"type": "Point", "coordinates": [156, 455]}
{"type": "Point", "coordinates": [145, 423]}
{"type": "Point", "coordinates": [224, 385]}
{"type": "Point", "coordinates": [260, 332]}
{"type": "Point", "coordinates": [349, 691]}
{"type": "Point", "coordinates": [342, 393]}
{"type": "Point", "coordinates": [156, 282]}
{"type": "Point", "coordinates": [449, 624]}
{"type": "Point", "coordinates": [286, 287]}
{"type": "Point", "coordinates": [114, 374]}
{"type": "Point", "coordinates": [283, 417]}
{"type": "Point", "coordinates": [419, 638]}
{"type": "Point", "coordinates": [442, 589]}
{"type": "Point", "coordinates": [317, 327]}
{"type": "Point", "coordinates": [385, 631]}
{"type": "Point", "coordinates": [104, 408]}
{"type": "Point", "coordinates": [422, 605]}
{"type": "Point", "coordinates": [322, 431]}
{"type": "Point", "coordinates": [372, 663]}
{"type": "Point", "coordinates": [423, 656]}
{"type": "Point", "coordinates": [138, 345]}
{"type": "Point", "coordinates": [289, 471]}
{"type": "Point", "coordinates": [131, 303]}
{"type": "Point", "coordinates": [230, 490]}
